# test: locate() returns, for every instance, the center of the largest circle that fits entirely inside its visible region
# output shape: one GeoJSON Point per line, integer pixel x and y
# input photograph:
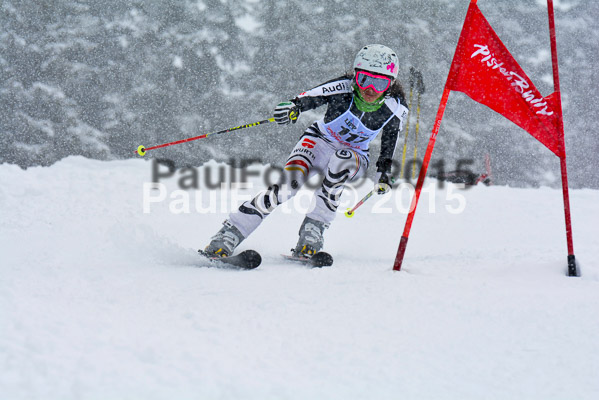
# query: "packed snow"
{"type": "Point", "coordinates": [101, 300]}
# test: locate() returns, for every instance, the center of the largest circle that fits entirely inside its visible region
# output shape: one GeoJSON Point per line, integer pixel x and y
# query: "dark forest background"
{"type": "Point", "coordinates": [99, 78]}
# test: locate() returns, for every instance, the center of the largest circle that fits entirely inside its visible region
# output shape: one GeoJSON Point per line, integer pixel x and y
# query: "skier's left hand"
{"type": "Point", "coordinates": [382, 183]}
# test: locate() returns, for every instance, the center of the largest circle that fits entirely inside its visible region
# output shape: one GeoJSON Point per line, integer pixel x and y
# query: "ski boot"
{"type": "Point", "coordinates": [310, 238]}
{"type": "Point", "coordinates": [224, 242]}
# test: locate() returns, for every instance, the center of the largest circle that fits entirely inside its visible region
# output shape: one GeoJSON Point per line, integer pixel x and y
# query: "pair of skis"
{"type": "Point", "coordinates": [250, 259]}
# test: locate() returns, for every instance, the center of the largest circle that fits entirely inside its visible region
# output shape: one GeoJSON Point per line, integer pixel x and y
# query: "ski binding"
{"type": "Point", "coordinates": [248, 259]}
{"type": "Point", "coordinates": [318, 260]}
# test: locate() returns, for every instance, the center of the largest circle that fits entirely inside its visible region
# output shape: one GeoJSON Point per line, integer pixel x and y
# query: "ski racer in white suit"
{"type": "Point", "coordinates": [360, 105]}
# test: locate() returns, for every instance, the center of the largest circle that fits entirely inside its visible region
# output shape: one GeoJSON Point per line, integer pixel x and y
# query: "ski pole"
{"type": "Point", "coordinates": [416, 137]}
{"type": "Point", "coordinates": [350, 211]}
{"type": "Point", "coordinates": [141, 150]}
{"type": "Point", "coordinates": [405, 140]}
{"type": "Point", "coordinates": [420, 90]}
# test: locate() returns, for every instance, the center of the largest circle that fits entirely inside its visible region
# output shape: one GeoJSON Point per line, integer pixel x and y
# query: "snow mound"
{"type": "Point", "coordinates": [99, 299]}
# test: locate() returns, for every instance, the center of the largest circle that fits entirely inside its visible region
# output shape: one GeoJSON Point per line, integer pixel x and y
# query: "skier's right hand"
{"type": "Point", "coordinates": [286, 112]}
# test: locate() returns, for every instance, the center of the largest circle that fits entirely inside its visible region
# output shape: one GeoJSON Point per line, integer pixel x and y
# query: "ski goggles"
{"type": "Point", "coordinates": [379, 83]}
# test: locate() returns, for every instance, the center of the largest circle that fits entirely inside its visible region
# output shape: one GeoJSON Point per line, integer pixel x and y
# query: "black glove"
{"type": "Point", "coordinates": [286, 112]}
{"type": "Point", "coordinates": [382, 183]}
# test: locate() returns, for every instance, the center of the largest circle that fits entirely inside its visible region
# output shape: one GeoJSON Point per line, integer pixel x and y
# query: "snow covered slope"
{"type": "Point", "coordinates": [99, 300]}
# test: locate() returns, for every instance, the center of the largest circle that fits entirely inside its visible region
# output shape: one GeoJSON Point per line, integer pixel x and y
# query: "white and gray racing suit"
{"type": "Point", "coordinates": [335, 146]}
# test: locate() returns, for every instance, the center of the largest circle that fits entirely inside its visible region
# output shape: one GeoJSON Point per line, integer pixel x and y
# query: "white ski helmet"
{"type": "Point", "coordinates": [378, 59]}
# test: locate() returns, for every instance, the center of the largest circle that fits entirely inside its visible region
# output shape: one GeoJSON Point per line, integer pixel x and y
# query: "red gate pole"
{"type": "Point", "coordinates": [427, 157]}
{"type": "Point", "coordinates": [572, 270]}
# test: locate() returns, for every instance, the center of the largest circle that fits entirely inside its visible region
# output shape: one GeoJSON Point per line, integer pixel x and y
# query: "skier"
{"type": "Point", "coordinates": [360, 105]}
